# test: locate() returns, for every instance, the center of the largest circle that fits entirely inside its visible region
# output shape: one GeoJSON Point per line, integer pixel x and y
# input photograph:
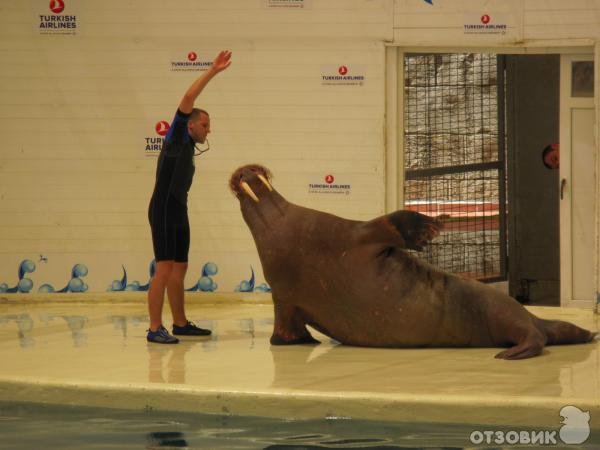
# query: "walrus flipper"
{"type": "Point", "coordinates": [403, 229]}
{"type": "Point", "coordinates": [559, 332]}
{"type": "Point", "coordinates": [526, 349]}
{"type": "Point", "coordinates": [290, 326]}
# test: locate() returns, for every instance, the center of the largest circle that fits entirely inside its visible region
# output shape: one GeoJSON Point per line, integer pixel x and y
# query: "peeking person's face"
{"type": "Point", "coordinates": [551, 156]}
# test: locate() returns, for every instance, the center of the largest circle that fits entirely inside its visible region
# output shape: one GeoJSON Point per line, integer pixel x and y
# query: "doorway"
{"type": "Point", "coordinates": [532, 95]}
{"type": "Point", "coordinates": [549, 239]}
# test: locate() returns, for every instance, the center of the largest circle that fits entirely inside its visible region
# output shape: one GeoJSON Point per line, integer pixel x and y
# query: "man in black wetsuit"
{"type": "Point", "coordinates": [168, 210]}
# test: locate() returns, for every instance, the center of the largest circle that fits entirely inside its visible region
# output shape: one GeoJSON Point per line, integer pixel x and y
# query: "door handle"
{"type": "Point", "coordinates": [563, 184]}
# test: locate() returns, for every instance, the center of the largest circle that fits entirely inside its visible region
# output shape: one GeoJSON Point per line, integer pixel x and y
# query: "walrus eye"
{"type": "Point", "coordinates": [265, 182]}
{"type": "Point", "coordinates": [246, 187]}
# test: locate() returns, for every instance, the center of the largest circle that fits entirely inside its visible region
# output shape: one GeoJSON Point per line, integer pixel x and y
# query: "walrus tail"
{"type": "Point", "coordinates": [560, 332]}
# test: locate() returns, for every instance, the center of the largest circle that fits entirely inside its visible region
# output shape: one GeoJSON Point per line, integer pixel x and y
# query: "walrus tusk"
{"type": "Point", "coordinates": [265, 181]}
{"type": "Point", "coordinates": [249, 191]}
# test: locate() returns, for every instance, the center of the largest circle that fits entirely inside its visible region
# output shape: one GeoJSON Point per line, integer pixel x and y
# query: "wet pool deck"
{"type": "Point", "coordinates": [66, 350]}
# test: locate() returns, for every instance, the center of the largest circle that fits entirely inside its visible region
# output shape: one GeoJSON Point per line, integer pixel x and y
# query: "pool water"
{"type": "Point", "coordinates": [36, 426]}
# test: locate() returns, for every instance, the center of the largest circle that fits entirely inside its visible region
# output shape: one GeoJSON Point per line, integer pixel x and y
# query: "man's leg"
{"type": "Point", "coordinates": [156, 293]}
{"type": "Point", "coordinates": [175, 291]}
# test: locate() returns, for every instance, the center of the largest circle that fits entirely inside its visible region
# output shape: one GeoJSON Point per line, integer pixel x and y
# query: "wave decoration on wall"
{"type": "Point", "coordinates": [122, 285]}
{"type": "Point", "coordinates": [205, 283]}
{"type": "Point", "coordinates": [75, 284]}
{"type": "Point", "coordinates": [248, 285]}
{"type": "Point", "coordinates": [24, 284]}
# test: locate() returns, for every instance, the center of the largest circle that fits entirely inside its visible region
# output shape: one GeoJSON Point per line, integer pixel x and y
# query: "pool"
{"type": "Point", "coordinates": [36, 426]}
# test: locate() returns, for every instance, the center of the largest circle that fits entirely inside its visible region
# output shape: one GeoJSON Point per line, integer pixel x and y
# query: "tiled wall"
{"type": "Point", "coordinates": [79, 104]}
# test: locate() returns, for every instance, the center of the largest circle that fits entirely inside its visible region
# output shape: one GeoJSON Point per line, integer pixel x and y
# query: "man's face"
{"type": "Point", "coordinates": [199, 128]}
{"type": "Point", "coordinates": [552, 158]}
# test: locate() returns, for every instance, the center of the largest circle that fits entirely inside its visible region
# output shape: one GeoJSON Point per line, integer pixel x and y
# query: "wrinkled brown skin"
{"type": "Point", "coordinates": [354, 281]}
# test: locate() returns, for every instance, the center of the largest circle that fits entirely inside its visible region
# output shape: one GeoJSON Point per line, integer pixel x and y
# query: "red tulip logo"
{"type": "Point", "coordinates": [162, 128]}
{"type": "Point", "coordinates": [57, 6]}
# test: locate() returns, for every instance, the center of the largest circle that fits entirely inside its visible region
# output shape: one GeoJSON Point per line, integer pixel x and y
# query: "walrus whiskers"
{"type": "Point", "coordinates": [249, 191]}
{"type": "Point", "coordinates": [265, 182]}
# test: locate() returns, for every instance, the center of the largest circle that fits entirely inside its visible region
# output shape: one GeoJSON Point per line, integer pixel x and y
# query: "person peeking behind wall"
{"type": "Point", "coordinates": [551, 156]}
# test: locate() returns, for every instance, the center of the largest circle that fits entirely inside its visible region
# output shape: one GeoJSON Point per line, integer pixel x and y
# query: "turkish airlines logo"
{"type": "Point", "coordinates": [192, 56]}
{"type": "Point", "coordinates": [340, 75]}
{"type": "Point", "coordinates": [57, 6]}
{"type": "Point", "coordinates": [162, 128]}
{"type": "Point", "coordinates": [329, 179]}
{"type": "Point", "coordinates": [485, 19]}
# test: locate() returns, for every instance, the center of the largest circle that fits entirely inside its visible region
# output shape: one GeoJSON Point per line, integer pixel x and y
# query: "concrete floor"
{"type": "Point", "coordinates": [94, 353]}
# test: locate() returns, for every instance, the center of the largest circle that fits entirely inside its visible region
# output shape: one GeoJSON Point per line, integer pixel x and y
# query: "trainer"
{"type": "Point", "coordinates": [168, 214]}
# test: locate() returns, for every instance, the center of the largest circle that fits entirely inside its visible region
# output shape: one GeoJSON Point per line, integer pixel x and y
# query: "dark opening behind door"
{"type": "Point", "coordinates": [533, 89]}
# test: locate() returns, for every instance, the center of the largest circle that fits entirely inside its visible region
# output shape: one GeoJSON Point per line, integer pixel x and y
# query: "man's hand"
{"type": "Point", "coordinates": [222, 61]}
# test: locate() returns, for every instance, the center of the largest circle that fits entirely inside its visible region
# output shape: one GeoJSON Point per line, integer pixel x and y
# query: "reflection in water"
{"type": "Point", "coordinates": [210, 344]}
{"type": "Point", "coordinates": [247, 326]}
{"type": "Point", "coordinates": [28, 426]}
{"type": "Point", "coordinates": [160, 439]}
{"type": "Point", "coordinates": [122, 322]}
{"type": "Point", "coordinates": [321, 361]}
{"type": "Point", "coordinates": [168, 360]}
{"type": "Point", "coordinates": [24, 327]}
{"type": "Point", "coordinates": [352, 444]}
{"type": "Point", "coordinates": [35, 426]}
{"type": "Point", "coordinates": [76, 324]}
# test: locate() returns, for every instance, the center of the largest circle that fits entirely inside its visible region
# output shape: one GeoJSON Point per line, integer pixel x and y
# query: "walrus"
{"type": "Point", "coordinates": [355, 282]}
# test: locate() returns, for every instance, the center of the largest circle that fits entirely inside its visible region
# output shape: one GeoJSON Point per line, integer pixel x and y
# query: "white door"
{"type": "Point", "coordinates": [577, 182]}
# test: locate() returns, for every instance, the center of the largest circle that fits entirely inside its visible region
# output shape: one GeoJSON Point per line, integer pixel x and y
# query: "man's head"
{"type": "Point", "coordinates": [199, 125]}
{"type": "Point", "coordinates": [551, 156]}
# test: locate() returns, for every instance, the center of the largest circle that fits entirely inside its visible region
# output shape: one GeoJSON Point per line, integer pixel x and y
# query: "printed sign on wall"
{"type": "Point", "coordinates": [485, 24]}
{"type": "Point", "coordinates": [154, 142]}
{"type": "Point", "coordinates": [342, 75]}
{"type": "Point", "coordinates": [330, 185]}
{"type": "Point", "coordinates": [190, 62]}
{"type": "Point", "coordinates": [57, 17]}
{"type": "Point", "coordinates": [288, 4]}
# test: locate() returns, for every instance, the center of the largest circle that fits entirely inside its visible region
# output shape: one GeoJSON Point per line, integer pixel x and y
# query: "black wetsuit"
{"type": "Point", "coordinates": [167, 212]}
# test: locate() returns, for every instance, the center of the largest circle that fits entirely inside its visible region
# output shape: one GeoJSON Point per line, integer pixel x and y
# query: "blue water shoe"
{"type": "Point", "coordinates": [161, 336]}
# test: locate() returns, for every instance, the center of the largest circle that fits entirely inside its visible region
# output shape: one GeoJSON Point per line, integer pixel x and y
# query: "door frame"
{"type": "Point", "coordinates": [394, 140]}
{"type": "Point", "coordinates": [567, 105]}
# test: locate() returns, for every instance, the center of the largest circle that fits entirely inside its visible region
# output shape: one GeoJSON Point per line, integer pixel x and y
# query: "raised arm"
{"type": "Point", "coordinates": [220, 63]}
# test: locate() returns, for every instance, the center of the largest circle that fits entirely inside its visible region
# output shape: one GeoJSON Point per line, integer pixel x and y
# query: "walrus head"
{"type": "Point", "coordinates": [252, 181]}
{"type": "Point", "coordinates": [261, 205]}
